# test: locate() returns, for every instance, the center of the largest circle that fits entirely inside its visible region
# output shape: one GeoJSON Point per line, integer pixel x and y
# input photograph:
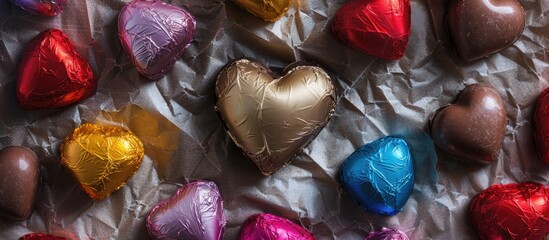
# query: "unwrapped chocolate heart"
{"type": "Point", "coordinates": [512, 211]}
{"type": "Point", "coordinates": [376, 27]}
{"type": "Point", "coordinates": [194, 212]}
{"type": "Point", "coordinates": [473, 127]}
{"type": "Point", "coordinates": [268, 10]}
{"type": "Point", "coordinates": [479, 28]}
{"type": "Point", "coordinates": [19, 179]}
{"type": "Point", "coordinates": [380, 176]}
{"type": "Point", "coordinates": [272, 120]}
{"type": "Point", "coordinates": [154, 35]}
{"type": "Point", "coordinates": [52, 74]}
{"type": "Point", "coordinates": [541, 126]}
{"type": "Point", "coordinates": [270, 227]}
{"type": "Point", "coordinates": [42, 7]}
{"type": "Point", "coordinates": [101, 158]}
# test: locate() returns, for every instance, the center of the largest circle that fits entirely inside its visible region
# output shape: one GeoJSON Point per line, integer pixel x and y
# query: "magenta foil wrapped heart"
{"type": "Point", "coordinates": [154, 35]}
{"type": "Point", "coordinates": [266, 226]}
{"type": "Point", "coordinates": [41, 7]}
{"type": "Point", "coordinates": [194, 212]}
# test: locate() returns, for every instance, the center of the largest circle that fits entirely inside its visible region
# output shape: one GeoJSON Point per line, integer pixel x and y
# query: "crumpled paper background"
{"type": "Point", "coordinates": [184, 139]}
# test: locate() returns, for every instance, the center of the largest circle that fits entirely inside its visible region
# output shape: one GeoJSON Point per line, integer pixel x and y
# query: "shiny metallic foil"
{"type": "Point", "coordinates": [101, 158]}
{"type": "Point", "coordinates": [377, 27]}
{"type": "Point", "coordinates": [268, 10]}
{"type": "Point", "coordinates": [41, 7]}
{"type": "Point", "coordinates": [380, 176]}
{"type": "Point", "coordinates": [270, 227]}
{"type": "Point", "coordinates": [195, 211]}
{"type": "Point", "coordinates": [386, 234]}
{"type": "Point", "coordinates": [541, 126]}
{"type": "Point", "coordinates": [40, 236]}
{"type": "Point", "coordinates": [512, 211]}
{"type": "Point", "coordinates": [272, 120]}
{"type": "Point", "coordinates": [154, 35]}
{"type": "Point", "coordinates": [52, 74]}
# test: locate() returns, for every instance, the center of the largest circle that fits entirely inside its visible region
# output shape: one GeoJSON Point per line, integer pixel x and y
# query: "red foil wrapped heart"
{"type": "Point", "coordinates": [512, 211]}
{"type": "Point", "coordinates": [52, 74]}
{"type": "Point", "coordinates": [40, 236]}
{"type": "Point", "coordinates": [541, 126]}
{"type": "Point", "coordinates": [376, 27]}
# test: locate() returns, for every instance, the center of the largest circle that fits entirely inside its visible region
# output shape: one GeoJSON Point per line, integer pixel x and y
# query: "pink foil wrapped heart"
{"type": "Point", "coordinates": [154, 35]}
{"type": "Point", "coordinates": [270, 227]}
{"type": "Point", "coordinates": [194, 212]}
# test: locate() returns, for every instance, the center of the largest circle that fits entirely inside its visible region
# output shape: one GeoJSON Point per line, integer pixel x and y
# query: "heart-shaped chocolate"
{"type": "Point", "coordinates": [194, 212]}
{"type": "Point", "coordinates": [270, 227]}
{"type": "Point", "coordinates": [473, 127]}
{"type": "Point", "coordinates": [40, 236]}
{"type": "Point", "coordinates": [41, 7]}
{"type": "Point", "coordinates": [268, 10]}
{"type": "Point", "coordinates": [376, 27]}
{"type": "Point", "coordinates": [479, 28]}
{"type": "Point", "coordinates": [272, 120]}
{"type": "Point", "coordinates": [386, 234]}
{"type": "Point", "coordinates": [512, 211]}
{"type": "Point", "coordinates": [541, 126]}
{"type": "Point", "coordinates": [52, 74]}
{"type": "Point", "coordinates": [19, 177]}
{"type": "Point", "coordinates": [380, 176]}
{"type": "Point", "coordinates": [154, 35]}
{"type": "Point", "coordinates": [101, 158]}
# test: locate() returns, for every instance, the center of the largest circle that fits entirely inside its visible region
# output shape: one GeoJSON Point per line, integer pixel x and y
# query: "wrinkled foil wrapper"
{"type": "Point", "coordinates": [40, 236]}
{"type": "Point", "coordinates": [380, 176]}
{"type": "Point", "coordinates": [270, 227]}
{"type": "Point", "coordinates": [154, 35]}
{"type": "Point", "coordinates": [184, 138]}
{"type": "Point", "coordinates": [195, 211]}
{"type": "Point", "coordinates": [512, 211]}
{"type": "Point", "coordinates": [52, 74]}
{"type": "Point", "coordinates": [101, 158]}
{"type": "Point", "coordinates": [268, 10]}
{"type": "Point", "coordinates": [386, 234]}
{"type": "Point", "coordinates": [270, 119]}
{"type": "Point", "coordinates": [42, 7]}
{"type": "Point", "coordinates": [380, 27]}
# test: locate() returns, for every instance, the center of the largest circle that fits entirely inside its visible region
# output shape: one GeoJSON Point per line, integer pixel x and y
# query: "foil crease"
{"type": "Point", "coordinates": [380, 176]}
{"type": "Point", "coordinates": [195, 211]}
{"type": "Point", "coordinates": [184, 138]}
{"type": "Point", "coordinates": [272, 120]}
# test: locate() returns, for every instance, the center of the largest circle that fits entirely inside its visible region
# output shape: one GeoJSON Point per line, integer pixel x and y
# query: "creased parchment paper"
{"type": "Point", "coordinates": [184, 138]}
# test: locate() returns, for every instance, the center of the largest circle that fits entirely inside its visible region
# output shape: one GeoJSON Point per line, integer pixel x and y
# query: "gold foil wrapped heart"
{"type": "Point", "coordinates": [101, 158]}
{"type": "Point", "coordinates": [272, 120]}
{"type": "Point", "coordinates": [268, 10]}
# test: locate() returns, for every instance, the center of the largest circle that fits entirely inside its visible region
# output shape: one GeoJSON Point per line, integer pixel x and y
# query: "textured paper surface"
{"type": "Point", "coordinates": [184, 138]}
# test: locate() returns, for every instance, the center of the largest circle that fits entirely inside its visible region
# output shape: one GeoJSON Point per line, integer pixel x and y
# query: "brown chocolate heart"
{"type": "Point", "coordinates": [479, 28]}
{"type": "Point", "coordinates": [272, 120]}
{"type": "Point", "coordinates": [19, 176]}
{"type": "Point", "coordinates": [473, 127]}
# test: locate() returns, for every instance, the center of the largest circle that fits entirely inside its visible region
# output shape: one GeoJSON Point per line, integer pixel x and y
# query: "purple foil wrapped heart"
{"type": "Point", "coordinates": [41, 7]}
{"type": "Point", "coordinates": [194, 212]}
{"type": "Point", "coordinates": [386, 234]}
{"type": "Point", "coordinates": [154, 35]}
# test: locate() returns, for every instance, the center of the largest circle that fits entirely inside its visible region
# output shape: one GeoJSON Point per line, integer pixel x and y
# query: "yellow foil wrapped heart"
{"type": "Point", "coordinates": [272, 120]}
{"type": "Point", "coordinates": [101, 158]}
{"type": "Point", "coordinates": [268, 10]}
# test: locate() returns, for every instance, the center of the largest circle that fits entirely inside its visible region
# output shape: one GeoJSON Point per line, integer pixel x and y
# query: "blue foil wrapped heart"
{"type": "Point", "coordinates": [380, 176]}
{"type": "Point", "coordinates": [154, 35]}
